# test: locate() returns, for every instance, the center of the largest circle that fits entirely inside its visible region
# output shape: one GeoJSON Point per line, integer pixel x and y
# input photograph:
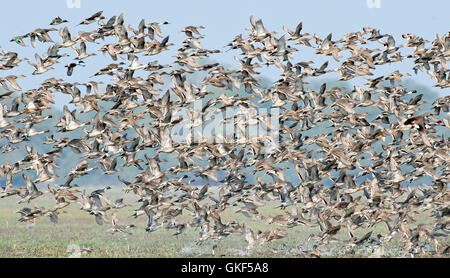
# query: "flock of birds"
{"type": "Point", "coordinates": [376, 149]}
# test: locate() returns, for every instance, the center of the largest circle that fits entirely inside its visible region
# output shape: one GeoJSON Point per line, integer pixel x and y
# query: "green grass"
{"type": "Point", "coordinates": [78, 228]}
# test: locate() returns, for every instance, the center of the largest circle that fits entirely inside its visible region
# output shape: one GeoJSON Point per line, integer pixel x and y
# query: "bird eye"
{"type": "Point", "coordinates": [17, 40]}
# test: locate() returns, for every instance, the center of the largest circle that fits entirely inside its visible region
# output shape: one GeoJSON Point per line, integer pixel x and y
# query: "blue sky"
{"type": "Point", "coordinates": [223, 20]}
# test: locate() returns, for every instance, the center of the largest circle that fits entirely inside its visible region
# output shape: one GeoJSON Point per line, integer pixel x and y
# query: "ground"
{"type": "Point", "coordinates": [77, 229]}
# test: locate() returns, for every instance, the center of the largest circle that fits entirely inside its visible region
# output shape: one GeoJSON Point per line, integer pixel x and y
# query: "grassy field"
{"type": "Point", "coordinates": [77, 228]}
